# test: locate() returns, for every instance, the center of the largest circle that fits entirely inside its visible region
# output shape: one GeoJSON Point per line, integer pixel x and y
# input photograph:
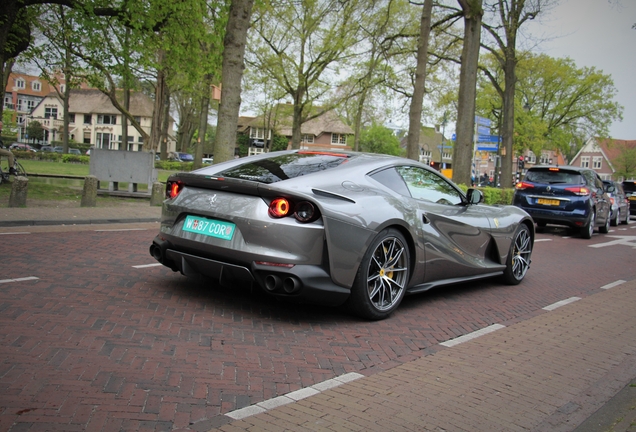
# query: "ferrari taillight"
{"type": "Point", "coordinates": [279, 208]}
{"type": "Point", "coordinates": [302, 211]}
{"type": "Point", "coordinates": [173, 188]}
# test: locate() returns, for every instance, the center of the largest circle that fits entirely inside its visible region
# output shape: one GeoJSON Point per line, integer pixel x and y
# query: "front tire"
{"type": "Point", "coordinates": [381, 280]}
{"type": "Point", "coordinates": [616, 220]}
{"type": "Point", "coordinates": [519, 256]}
{"type": "Point", "coordinates": [605, 228]}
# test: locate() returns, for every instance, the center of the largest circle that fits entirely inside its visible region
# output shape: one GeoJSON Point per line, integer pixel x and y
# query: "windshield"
{"type": "Point", "coordinates": [285, 166]}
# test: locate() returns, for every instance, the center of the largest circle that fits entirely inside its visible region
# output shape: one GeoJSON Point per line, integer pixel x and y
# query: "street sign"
{"type": "Point", "coordinates": [482, 121]}
{"type": "Point", "coordinates": [491, 147]}
{"type": "Point", "coordinates": [488, 139]}
{"type": "Point", "coordinates": [454, 137]}
{"type": "Point", "coordinates": [483, 130]}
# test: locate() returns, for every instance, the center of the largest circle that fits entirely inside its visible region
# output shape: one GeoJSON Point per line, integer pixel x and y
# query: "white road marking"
{"type": "Point", "coordinates": [540, 240]}
{"type": "Point", "coordinates": [613, 284]}
{"type": "Point", "coordinates": [473, 335]}
{"type": "Point", "coordinates": [558, 304]}
{"type": "Point", "coordinates": [19, 279]}
{"type": "Point", "coordinates": [23, 232]}
{"type": "Point", "coordinates": [622, 240]}
{"type": "Point", "coordinates": [147, 265]}
{"type": "Point", "coordinates": [294, 396]}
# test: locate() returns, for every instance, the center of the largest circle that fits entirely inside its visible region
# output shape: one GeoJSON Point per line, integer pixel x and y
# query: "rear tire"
{"type": "Point", "coordinates": [588, 229]}
{"type": "Point", "coordinates": [20, 170]}
{"type": "Point", "coordinates": [519, 256]}
{"type": "Point", "coordinates": [381, 281]}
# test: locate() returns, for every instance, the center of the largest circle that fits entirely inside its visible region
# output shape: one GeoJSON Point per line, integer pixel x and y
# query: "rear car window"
{"type": "Point", "coordinates": [286, 166]}
{"type": "Point", "coordinates": [629, 187]}
{"type": "Point", "coordinates": [554, 176]}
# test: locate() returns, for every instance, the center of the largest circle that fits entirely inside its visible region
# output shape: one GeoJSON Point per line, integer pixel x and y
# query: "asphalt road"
{"type": "Point", "coordinates": [95, 336]}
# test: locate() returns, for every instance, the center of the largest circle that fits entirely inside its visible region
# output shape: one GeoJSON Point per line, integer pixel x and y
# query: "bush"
{"type": "Point", "coordinates": [72, 158]}
{"type": "Point", "coordinates": [494, 196]}
{"type": "Point", "coordinates": [174, 166]}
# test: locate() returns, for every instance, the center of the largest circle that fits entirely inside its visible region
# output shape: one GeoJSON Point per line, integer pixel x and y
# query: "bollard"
{"type": "Point", "coordinates": [19, 189]}
{"type": "Point", "coordinates": [89, 193]}
{"type": "Point", "coordinates": [157, 197]}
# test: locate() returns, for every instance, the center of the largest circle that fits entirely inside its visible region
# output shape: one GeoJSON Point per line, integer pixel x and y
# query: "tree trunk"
{"type": "Point", "coordinates": [157, 112]}
{"type": "Point", "coordinates": [232, 73]}
{"type": "Point", "coordinates": [463, 153]}
{"type": "Point", "coordinates": [203, 121]}
{"type": "Point", "coordinates": [165, 121]}
{"type": "Point", "coordinates": [508, 118]}
{"type": "Point", "coordinates": [415, 111]}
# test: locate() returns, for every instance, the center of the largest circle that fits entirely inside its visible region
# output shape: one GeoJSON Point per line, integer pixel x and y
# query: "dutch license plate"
{"type": "Point", "coordinates": [632, 198]}
{"type": "Point", "coordinates": [551, 202]}
{"type": "Point", "coordinates": [209, 227]}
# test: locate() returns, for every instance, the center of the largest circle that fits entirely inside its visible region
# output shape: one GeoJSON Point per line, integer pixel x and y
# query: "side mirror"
{"type": "Point", "coordinates": [474, 196]}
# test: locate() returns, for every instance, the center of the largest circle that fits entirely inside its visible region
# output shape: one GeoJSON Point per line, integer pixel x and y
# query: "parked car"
{"type": "Point", "coordinates": [58, 149]}
{"type": "Point", "coordinates": [207, 161]}
{"type": "Point", "coordinates": [22, 147]}
{"type": "Point", "coordinates": [619, 203]}
{"type": "Point", "coordinates": [630, 192]}
{"type": "Point", "coordinates": [185, 157]}
{"type": "Point", "coordinates": [564, 195]}
{"type": "Point", "coordinates": [74, 151]}
{"type": "Point", "coordinates": [337, 227]}
{"type": "Point", "coordinates": [46, 149]}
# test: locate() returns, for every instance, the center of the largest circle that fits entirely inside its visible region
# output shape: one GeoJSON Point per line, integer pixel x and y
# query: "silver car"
{"type": "Point", "coordinates": [337, 227]}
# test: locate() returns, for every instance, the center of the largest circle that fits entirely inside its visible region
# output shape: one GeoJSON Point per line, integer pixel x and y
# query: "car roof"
{"type": "Point", "coordinates": [561, 167]}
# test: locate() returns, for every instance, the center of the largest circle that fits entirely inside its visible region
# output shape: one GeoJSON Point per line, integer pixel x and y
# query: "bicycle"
{"type": "Point", "coordinates": [19, 169]}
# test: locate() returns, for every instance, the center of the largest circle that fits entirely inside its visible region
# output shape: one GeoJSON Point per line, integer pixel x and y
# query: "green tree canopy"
{"type": "Point", "coordinates": [557, 104]}
{"type": "Point", "coordinates": [380, 139]}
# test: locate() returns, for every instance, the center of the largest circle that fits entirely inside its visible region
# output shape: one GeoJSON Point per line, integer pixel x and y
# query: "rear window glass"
{"type": "Point", "coordinates": [629, 186]}
{"type": "Point", "coordinates": [286, 166]}
{"type": "Point", "coordinates": [552, 177]}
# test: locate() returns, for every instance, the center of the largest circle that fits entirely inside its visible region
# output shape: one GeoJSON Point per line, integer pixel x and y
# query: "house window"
{"type": "Point", "coordinates": [338, 138]}
{"type": "Point", "coordinates": [20, 83]}
{"type": "Point", "coordinates": [87, 137]}
{"type": "Point", "coordinates": [597, 162]}
{"type": "Point", "coordinates": [257, 133]}
{"type": "Point", "coordinates": [140, 139]}
{"type": "Point", "coordinates": [137, 119]}
{"type": "Point", "coordinates": [30, 105]}
{"type": "Point", "coordinates": [309, 139]}
{"type": "Point", "coordinates": [50, 112]}
{"type": "Point", "coordinates": [62, 87]}
{"type": "Point", "coordinates": [106, 119]}
{"type": "Point", "coordinates": [18, 107]}
{"type": "Point", "coordinates": [36, 86]}
{"type": "Point", "coordinates": [87, 118]}
{"type": "Point", "coordinates": [71, 118]}
{"type": "Point", "coordinates": [585, 161]}
{"type": "Point", "coordinates": [103, 140]}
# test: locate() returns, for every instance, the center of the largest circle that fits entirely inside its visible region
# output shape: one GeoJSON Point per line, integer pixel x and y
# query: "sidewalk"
{"type": "Point", "coordinates": [549, 373]}
{"type": "Point", "coordinates": [36, 216]}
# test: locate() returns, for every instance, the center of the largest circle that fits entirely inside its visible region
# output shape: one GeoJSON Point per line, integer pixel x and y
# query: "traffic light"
{"type": "Point", "coordinates": [520, 163]}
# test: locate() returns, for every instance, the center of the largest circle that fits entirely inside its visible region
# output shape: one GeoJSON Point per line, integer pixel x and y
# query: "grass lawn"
{"type": "Point", "coordinates": [58, 190]}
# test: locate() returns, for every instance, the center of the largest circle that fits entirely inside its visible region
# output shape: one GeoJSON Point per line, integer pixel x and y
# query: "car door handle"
{"type": "Point", "coordinates": [425, 219]}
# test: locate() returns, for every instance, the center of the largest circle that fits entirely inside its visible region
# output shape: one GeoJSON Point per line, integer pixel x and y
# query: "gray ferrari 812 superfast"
{"type": "Point", "coordinates": [337, 228]}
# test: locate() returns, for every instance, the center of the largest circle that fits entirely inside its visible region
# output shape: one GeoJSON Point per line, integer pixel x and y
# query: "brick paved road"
{"type": "Point", "coordinates": [96, 344]}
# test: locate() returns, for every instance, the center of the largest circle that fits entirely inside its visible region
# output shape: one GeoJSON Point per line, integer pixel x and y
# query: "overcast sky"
{"type": "Point", "coordinates": [597, 33]}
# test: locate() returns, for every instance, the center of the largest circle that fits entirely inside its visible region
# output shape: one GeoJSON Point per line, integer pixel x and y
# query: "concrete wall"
{"type": "Point", "coordinates": [116, 166]}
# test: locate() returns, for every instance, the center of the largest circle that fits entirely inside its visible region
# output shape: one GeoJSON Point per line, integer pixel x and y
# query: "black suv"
{"type": "Point", "coordinates": [618, 200]}
{"type": "Point", "coordinates": [564, 195]}
{"type": "Point", "coordinates": [630, 192]}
